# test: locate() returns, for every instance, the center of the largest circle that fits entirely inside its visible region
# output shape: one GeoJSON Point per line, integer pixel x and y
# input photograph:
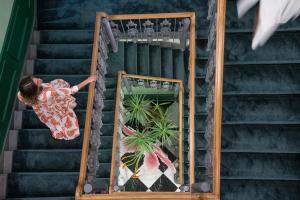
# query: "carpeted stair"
{"type": "Point", "coordinates": [261, 113]}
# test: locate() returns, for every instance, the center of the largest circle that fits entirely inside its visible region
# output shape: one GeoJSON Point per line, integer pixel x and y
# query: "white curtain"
{"type": "Point", "coordinates": [272, 13]}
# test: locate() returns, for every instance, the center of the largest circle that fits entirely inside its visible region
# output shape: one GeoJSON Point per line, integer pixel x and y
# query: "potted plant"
{"type": "Point", "coordinates": [147, 127]}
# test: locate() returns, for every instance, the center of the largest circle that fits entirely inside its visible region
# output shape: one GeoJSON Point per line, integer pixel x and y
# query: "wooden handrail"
{"type": "Point", "coordinates": [115, 134]}
{"type": "Point", "coordinates": [181, 136]}
{"type": "Point", "coordinates": [150, 196]}
{"type": "Point", "coordinates": [220, 33]}
{"type": "Point", "coordinates": [89, 108]}
{"type": "Point", "coordinates": [151, 16]}
{"type": "Point", "coordinates": [192, 58]}
{"type": "Point", "coordinates": [162, 79]}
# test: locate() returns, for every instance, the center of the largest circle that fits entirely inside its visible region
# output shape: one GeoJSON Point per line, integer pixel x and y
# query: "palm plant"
{"type": "Point", "coordinates": [137, 110]}
{"type": "Point", "coordinates": [141, 143]}
{"type": "Point", "coordinates": [164, 130]}
{"type": "Point", "coordinates": [151, 122]}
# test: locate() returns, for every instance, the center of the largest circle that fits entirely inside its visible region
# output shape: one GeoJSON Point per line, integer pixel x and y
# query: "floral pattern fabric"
{"type": "Point", "coordinates": [54, 107]}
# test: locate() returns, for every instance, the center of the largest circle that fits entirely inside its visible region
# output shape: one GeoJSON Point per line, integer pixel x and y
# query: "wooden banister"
{"type": "Point", "coordinates": [115, 134]}
{"type": "Point", "coordinates": [151, 16]}
{"type": "Point", "coordinates": [192, 58]}
{"type": "Point", "coordinates": [220, 34]}
{"type": "Point", "coordinates": [89, 108]}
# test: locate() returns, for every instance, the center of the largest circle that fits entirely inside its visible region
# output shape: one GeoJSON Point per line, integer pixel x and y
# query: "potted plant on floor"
{"type": "Point", "coordinates": [147, 128]}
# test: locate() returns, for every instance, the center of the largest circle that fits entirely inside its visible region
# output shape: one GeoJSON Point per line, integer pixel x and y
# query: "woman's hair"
{"type": "Point", "coordinates": [29, 90]}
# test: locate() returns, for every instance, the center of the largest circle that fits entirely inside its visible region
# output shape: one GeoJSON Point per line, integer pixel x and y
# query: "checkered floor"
{"type": "Point", "coordinates": [159, 180]}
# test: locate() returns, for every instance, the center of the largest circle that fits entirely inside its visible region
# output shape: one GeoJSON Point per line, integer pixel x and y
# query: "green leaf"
{"type": "Point", "coordinates": [137, 110]}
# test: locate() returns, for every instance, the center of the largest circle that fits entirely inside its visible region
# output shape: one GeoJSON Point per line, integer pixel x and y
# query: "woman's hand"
{"type": "Point", "coordinates": [91, 79]}
{"type": "Point", "coordinates": [87, 81]}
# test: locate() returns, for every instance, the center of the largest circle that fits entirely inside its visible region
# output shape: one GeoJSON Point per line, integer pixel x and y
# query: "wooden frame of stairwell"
{"type": "Point", "coordinates": [192, 56]}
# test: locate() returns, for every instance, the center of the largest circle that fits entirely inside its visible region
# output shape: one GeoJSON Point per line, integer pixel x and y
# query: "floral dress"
{"type": "Point", "coordinates": [54, 107]}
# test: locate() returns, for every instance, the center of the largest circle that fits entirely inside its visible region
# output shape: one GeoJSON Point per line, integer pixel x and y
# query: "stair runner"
{"type": "Point", "coordinates": [261, 122]}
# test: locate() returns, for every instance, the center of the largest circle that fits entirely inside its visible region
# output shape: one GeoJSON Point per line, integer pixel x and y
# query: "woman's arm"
{"type": "Point", "coordinates": [67, 90]}
{"type": "Point", "coordinates": [86, 81]}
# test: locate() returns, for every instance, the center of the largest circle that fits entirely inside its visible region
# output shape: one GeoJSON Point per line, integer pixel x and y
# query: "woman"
{"type": "Point", "coordinates": [53, 103]}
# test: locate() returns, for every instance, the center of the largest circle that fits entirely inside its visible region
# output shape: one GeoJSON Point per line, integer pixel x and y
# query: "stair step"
{"type": "Point", "coordinates": [279, 46]}
{"type": "Point", "coordinates": [42, 139]}
{"type": "Point", "coordinates": [288, 152]}
{"type": "Point", "coordinates": [260, 178]}
{"type": "Point", "coordinates": [238, 48]}
{"type": "Point", "coordinates": [200, 86]}
{"type": "Point", "coordinates": [110, 93]}
{"type": "Point", "coordinates": [200, 67]}
{"type": "Point", "coordinates": [60, 160]}
{"type": "Point", "coordinates": [261, 77]}
{"type": "Point", "coordinates": [30, 184]}
{"type": "Point", "coordinates": [200, 103]}
{"type": "Point", "coordinates": [263, 138]}
{"type": "Point", "coordinates": [62, 66]}
{"type": "Point", "coordinates": [30, 120]}
{"type": "Point", "coordinates": [66, 36]}
{"type": "Point", "coordinates": [274, 108]}
{"type": "Point", "coordinates": [64, 51]}
{"type": "Point", "coordinates": [199, 158]}
{"type": "Point", "coordinates": [259, 189]}
{"type": "Point", "coordinates": [200, 122]}
{"type": "Point", "coordinates": [199, 140]}
{"type": "Point", "coordinates": [263, 93]}
{"type": "Point", "coordinates": [281, 62]}
{"type": "Point", "coordinates": [265, 165]}
{"type": "Point", "coordinates": [44, 198]}
{"type": "Point", "coordinates": [283, 122]}
{"type": "Point", "coordinates": [200, 173]}
{"type": "Point", "coordinates": [116, 61]}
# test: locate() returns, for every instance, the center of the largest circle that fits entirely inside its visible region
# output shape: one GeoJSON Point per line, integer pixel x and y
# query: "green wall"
{"type": "Point", "coordinates": [5, 11]}
{"type": "Point", "coordinates": [12, 57]}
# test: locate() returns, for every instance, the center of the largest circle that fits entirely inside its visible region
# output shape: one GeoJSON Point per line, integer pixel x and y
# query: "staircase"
{"type": "Point", "coordinates": [261, 113]}
{"type": "Point", "coordinates": [260, 138]}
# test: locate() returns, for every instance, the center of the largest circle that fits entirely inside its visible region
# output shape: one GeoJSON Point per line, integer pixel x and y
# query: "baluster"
{"type": "Point", "coordinates": [165, 30]}
{"type": "Point", "coordinates": [132, 31]}
{"type": "Point", "coordinates": [148, 30]}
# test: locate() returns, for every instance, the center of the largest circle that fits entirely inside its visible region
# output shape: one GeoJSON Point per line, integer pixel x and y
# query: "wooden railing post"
{"type": "Point", "coordinates": [220, 34]}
